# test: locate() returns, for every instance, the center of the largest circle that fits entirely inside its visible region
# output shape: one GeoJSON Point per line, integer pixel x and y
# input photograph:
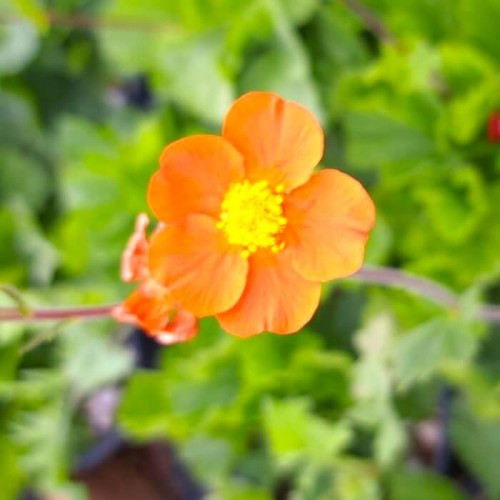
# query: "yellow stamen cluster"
{"type": "Point", "coordinates": [252, 216]}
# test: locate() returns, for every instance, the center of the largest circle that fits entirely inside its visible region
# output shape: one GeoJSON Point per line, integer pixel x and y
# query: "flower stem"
{"type": "Point", "coordinates": [400, 279]}
{"type": "Point", "coordinates": [370, 20]}
{"type": "Point", "coordinates": [384, 276]}
{"type": "Point", "coordinates": [77, 21]}
{"type": "Point", "coordinates": [426, 288]}
{"type": "Point", "coordinates": [82, 312]}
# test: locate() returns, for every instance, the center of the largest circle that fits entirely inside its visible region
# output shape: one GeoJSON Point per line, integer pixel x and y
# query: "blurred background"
{"type": "Point", "coordinates": [384, 395]}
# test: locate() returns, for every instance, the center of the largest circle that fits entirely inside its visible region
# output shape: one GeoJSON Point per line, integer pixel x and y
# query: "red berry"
{"type": "Point", "coordinates": [494, 127]}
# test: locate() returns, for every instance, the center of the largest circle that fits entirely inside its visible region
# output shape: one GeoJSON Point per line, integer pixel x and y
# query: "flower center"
{"type": "Point", "coordinates": [252, 216]}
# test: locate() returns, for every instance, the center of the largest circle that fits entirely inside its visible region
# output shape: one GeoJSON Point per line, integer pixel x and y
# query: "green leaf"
{"type": "Point", "coordinates": [285, 67]}
{"type": "Point", "coordinates": [464, 68]}
{"type": "Point", "coordinates": [455, 202]}
{"type": "Point", "coordinates": [280, 70]}
{"type": "Point", "coordinates": [11, 269]}
{"type": "Point", "coordinates": [390, 440]}
{"type": "Point", "coordinates": [144, 406]}
{"type": "Point", "coordinates": [214, 384]}
{"type": "Point", "coordinates": [10, 472]}
{"type": "Point", "coordinates": [416, 485]}
{"type": "Point", "coordinates": [481, 27]}
{"type": "Point", "coordinates": [209, 458]}
{"type": "Point", "coordinates": [380, 242]}
{"type": "Point", "coordinates": [297, 366]}
{"type": "Point", "coordinates": [356, 480]}
{"type": "Point", "coordinates": [478, 446]}
{"type": "Point", "coordinates": [239, 490]}
{"type": "Point", "coordinates": [373, 139]}
{"type": "Point", "coordinates": [42, 436]}
{"type": "Point", "coordinates": [331, 38]}
{"type": "Point", "coordinates": [372, 379]}
{"type": "Point", "coordinates": [198, 387]}
{"type": "Point", "coordinates": [282, 421]}
{"type": "Point", "coordinates": [20, 131]}
{"type": "Point", "coordinates": [300, 12]}
{"type": "Point", "coordinates": [467, 114]}
{"type": "Point", "coordinates": [91, 360]}
{"type": "Point", "coordinates": [479, 384]}
{"type": "Point", "coordinates": [251, 27]}
{"type": "Point", "coordinates": [393, 81]}
{"type": "Point", "coordinates": [315, 482]}
{"type": "Point", "coordinates": [424, 19]}
{"type": "Point", "coordinates": [422, 352]}
{"type": "Point", "coordinates": [18, 46]}
{"type": "Point", "coordinates": [10, 339]}
{"type": "Point", "coordinates": [373, 386]}
{"type": "Point", "coordinates": [293, 431]}
{"type": "Point", "coordinates": [178, 76]}
{"type": "Point", "coordinates": [34, 387]}
{"type": "Point", "coordinates": [15, 168]}
{"type": "Point", "coordinates": [38, 254]}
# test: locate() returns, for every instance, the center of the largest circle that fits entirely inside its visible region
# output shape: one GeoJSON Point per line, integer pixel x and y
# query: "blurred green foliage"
{"type": "Point", "coordinates": [337, 411]}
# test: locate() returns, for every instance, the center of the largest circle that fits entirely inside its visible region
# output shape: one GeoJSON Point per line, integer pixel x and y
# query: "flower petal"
{"type": "Point", "coordinates": [194, 175]}
{"type": "Point", "coordinates": [150, 306]}
{"type": "Point", "coordinates": [193, 259]}
{"type": "Point", "coordinates": [134, 262]}
{"type": "Point", "coordinates": [280, 140]}
{"type": "Point", "coordinates": [182, 328]}
{"type": "Point", "coordinates": [275, 299]}
{"type": "Point", "coordinates": [329, 219]}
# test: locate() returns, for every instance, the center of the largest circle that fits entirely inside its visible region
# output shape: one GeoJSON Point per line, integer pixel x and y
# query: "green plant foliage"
{"type": "Point", "coordinates": [90, 94]}
{"type": "Point", "coordinates": [477, 442]}
{"type": "Point", "coordinates": [431, 346]}
{"type": "Point", "coordinates": [293, 431]}
{"type": "Point", "coordinates": [415, 485]}
{"type": "Point", "coordinates": [200, 56]}
{"type": "Point", "coordinates": [19, 45]}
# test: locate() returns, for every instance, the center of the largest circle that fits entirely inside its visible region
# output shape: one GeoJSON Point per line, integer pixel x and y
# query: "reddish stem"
{"type": "Point", "coordinates": [83, 312]}
{"type": "Point", "coordinates": [384, 276]}
{"type": "Point", "coordinates": [80, 21]}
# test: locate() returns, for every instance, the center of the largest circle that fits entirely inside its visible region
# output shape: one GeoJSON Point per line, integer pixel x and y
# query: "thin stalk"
{"type": "Point", "coordinates": [384, 276]}
{"type": "Point", "coordinates": [56, 314]}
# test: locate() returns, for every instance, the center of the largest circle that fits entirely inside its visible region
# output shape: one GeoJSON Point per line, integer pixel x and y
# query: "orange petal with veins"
{"type": "Point", "coordinates": [281, 141]}
{"type": "Point", "coordinates": [329, 219]}
{"type": "Point", "coordinates": [275, 299]}
{"type": "Point", "coordinates": [193, 258]}
{"type": "Point", "coordinates": [194, 175]}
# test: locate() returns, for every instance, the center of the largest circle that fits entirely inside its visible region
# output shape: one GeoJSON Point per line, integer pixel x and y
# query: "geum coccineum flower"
{"type": "Point", "coordinates": [151, 305]}
{"type": "Point", "coordinates": [250, 231]}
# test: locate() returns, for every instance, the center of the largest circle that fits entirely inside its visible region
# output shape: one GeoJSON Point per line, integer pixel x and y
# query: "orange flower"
{"type": "Point", "coordinates": [151, 306]}
{"type": "Point", "coordinates": [250, 231]}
